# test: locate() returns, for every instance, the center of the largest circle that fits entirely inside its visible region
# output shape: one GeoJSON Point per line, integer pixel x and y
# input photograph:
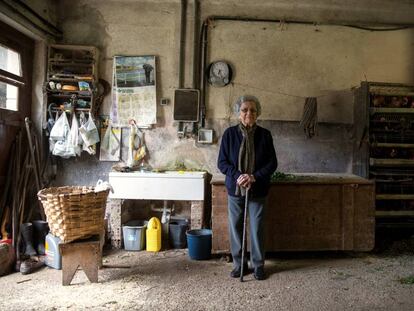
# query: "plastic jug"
{"type": "Point", "coordinates": [154, 235]}
{"type": "Point", "coordinates": [53, 256]}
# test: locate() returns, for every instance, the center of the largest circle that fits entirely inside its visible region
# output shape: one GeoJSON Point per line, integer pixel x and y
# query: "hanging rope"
{"type": "Point", "coordinates": [309, 120]}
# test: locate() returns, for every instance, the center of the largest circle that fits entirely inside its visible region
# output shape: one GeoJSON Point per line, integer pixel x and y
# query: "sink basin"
{"type": "Point", "coordinates": [170, 185]}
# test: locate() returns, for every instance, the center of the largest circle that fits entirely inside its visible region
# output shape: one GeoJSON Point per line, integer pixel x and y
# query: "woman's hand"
{"type": "Point", "coordinates": [245, 180]}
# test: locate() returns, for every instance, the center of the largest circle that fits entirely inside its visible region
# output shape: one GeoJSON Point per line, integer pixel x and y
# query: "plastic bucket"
{"type": "Point", "coordinates": [199, 244]}
{"type": "Point", "coordinates": [134, 235]}
{"type": "Point", "coordinates": [176, 232]}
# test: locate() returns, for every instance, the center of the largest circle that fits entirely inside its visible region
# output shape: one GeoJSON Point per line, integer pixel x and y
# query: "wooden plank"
{"type": "Point", "coordinates": [391, 162]}
{"type": "Point", "coordinates": [348, 216]}
{"type": "Point", "coordinates": [394, 213]}
{"type": "Point", "coordinates": [84, 254]}
{"type": "Point", "coordinates": [307, 217]}
{"type": "Point", "coordinates": [394, 196]}
{"type": "Point", "coordinates": [312, 178]}
{"type": "Point", "coordinates": [373, 110]}
{"type": "Point", "coordinates": [390, 145]}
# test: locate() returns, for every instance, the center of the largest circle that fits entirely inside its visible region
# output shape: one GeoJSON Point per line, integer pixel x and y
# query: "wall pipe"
{"type": "Point", "coordinates": [203, 48]}
{"type": "Point", "coordinates": [181, 60]}
{"type": "Point", "coordinates": [196, 10]}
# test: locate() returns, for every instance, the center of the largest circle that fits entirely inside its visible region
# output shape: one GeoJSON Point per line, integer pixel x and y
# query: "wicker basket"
{"type": "Point", "coordinates": [74, 212]}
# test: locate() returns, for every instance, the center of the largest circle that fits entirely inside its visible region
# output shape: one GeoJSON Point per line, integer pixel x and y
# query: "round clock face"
{"type": "Point", "coordinates": [219, 73]}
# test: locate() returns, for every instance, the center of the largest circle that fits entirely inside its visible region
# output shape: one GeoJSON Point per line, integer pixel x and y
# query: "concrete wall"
{"type": "Point", "coordinates": [280, 64]}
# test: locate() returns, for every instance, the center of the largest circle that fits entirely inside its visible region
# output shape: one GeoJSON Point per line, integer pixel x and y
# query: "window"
{"type": "Point", "coordinates": [16, 58]}
{"type": "Point", "coordinates": [10, 61]}
{"type": "Point", "coordinates": [11, 74]}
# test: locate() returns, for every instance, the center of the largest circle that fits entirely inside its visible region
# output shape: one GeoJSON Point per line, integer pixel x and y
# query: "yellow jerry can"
{"type": "Point", "coordinates": [154, 235]}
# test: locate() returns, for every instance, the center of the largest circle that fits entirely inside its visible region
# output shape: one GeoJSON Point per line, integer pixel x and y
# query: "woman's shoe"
{"type": "Point", "coordinates": [259, 273]}
{"type": "Point", "coordinates": [235, 273]}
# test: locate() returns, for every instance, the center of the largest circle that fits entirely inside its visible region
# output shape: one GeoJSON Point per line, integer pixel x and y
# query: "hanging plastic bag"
{"type": "Point", "coordinates": [110, 142]}
{"type": "Point", "coordinates": [58, 131]}
{"type": "Point", "coordinates": [74, 136]}
{"type": "Point", "coordinates": [63, 147]}
{"type": "Point", "coordinates": [105, 143]}
{"type": "Point", "coordinates": [114, 142]}
{"type": "Point", "coordinates": [83, 146]}
{"type": "Point", "coordinates": [136, 148]}
{"type": "Point", "coordinates": [89, 133]}
{"type": "Point", "coordinates": [60, 127]}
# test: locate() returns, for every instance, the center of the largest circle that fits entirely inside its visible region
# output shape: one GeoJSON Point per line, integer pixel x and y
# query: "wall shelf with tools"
{"type": "Point", "coordinates": [72, 77]}
{"type": "Point", "coordinates": [384, 148]}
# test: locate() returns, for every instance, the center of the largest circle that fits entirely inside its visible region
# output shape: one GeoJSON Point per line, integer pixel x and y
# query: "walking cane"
{"type": "Point", "coordinates": [246, 204]}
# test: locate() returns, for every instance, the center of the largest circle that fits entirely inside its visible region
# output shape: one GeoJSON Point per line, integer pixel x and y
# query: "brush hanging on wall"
{"type": "Point", "coordinates": [309, 120]}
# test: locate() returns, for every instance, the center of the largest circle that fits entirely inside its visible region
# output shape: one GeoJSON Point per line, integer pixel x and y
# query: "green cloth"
{"type": "Point", "coordinates": [246, 154]}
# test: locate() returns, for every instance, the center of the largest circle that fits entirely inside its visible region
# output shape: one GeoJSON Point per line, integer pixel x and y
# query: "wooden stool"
{"type": "Point", "coordinates": [86, 254]}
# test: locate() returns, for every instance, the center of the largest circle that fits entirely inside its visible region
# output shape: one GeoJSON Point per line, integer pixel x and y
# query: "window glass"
{"type": "Point", "coordinates": [8, 96]}
{"type": "Point", "coordinates": [10, 61]}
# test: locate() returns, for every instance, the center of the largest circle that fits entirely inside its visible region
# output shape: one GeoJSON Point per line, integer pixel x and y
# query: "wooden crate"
{"type": "Point", "coordinates": [316, 212]}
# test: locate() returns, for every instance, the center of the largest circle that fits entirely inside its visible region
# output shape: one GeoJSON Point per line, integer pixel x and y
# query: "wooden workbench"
{"type": "Point", "coordinates": [310, 212]}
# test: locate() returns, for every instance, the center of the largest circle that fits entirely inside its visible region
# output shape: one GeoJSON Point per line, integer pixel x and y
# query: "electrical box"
{"type": "Point", "coordinates": [186, 105]}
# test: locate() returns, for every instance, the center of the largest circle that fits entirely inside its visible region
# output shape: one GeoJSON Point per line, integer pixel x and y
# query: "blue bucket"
{"type": "Point", "coordinates": [199, 244]}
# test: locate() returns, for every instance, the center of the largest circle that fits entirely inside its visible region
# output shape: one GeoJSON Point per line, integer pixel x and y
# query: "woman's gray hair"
{"type": "Point", "coordinates": [247, 98]}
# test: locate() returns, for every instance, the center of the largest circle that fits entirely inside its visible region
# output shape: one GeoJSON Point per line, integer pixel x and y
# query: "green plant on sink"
{"type": "Point", "coordinates": [279, 176]}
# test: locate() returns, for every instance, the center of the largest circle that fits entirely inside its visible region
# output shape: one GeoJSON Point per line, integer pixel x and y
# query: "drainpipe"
{"type": "Point", "coordinates": [181, 60]}
{"type": "Point", "coordinates": [196, 26]}
{"type": "Point", "coordinates": [202, 65]}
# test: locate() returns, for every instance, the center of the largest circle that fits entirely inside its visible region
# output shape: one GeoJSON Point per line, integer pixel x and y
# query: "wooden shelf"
{"type": "Point", "coordinates": [78, 61]}
{"type": "Point", "coordinates": [391, 162]}
{"type": "Point", "coordinates": [374, 110]}
{"type": "Point", "coordinates": [69, 95]}
{"type": "Point", "coordinates": [394, 196]}
{"type": "Point", "coordinates": [392, 173]}
{"type": "Point", "coordinates": [68, 79]}
{"type": "Point", "coordinates": [391, 145]}
{"type": "Point", "coordinates": [71, 64]}
{"type": "Point", "coordinates": [394, 213]}
{"type": "Point", "coordinates": [389, 125]}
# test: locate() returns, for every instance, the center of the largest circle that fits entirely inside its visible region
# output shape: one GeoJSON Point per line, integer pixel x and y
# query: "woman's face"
{"type": "Point", "coordinates": [248, 113]}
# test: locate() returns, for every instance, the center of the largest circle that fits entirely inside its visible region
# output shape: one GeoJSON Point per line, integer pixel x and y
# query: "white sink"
{"type": "Point", "coordinates": [171, 185]}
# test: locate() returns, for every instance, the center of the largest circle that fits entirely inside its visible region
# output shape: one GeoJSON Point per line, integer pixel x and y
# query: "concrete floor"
{"type": "Point", "coordinates": [169, 280]}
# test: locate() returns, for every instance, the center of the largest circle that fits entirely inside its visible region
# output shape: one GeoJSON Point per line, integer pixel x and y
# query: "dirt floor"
{"type": "Point", "coordinates": [169, 280]}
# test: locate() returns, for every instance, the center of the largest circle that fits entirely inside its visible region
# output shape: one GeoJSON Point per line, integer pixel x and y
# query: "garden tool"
{"type": "Point", "coordinates": [26, 231]}
{"type": "Point", "coordinates": [51, 120]}
{"type": "Point", "coordinates": [246, 205]}
{"type": "Point", "coordinates": [41, 229]}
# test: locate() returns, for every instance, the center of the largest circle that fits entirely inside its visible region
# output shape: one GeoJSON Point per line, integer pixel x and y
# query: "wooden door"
{"type": "Point", "coordinates": [16, 62]}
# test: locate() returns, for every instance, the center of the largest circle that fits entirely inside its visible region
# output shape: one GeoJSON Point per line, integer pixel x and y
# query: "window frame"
{"type": "Point", "coordinates": [15, 40]}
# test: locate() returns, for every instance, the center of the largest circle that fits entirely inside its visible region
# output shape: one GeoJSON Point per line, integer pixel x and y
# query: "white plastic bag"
{"type": "Point", "coordinates": [103, 186]}
{"type": "Point", "coordinates": [74, 136]}
{"type": "Point", "coordinates": [105, 143]}
{"type": "Point", "coordinates": [60, 127]}
{"type": "Point", "coordinates": [136, 149]}
{"type": "Point", "coordinates": [89, 133]}
{"type": "Point", "coordinates": [63, 147]}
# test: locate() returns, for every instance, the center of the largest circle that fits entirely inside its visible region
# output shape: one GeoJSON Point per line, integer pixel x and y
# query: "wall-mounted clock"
{"type": "Point", "coordinates": [219, 73]}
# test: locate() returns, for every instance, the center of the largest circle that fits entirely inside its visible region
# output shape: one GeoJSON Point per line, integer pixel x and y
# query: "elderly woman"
{"type": "Point", "coordinates": [248, 159]}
